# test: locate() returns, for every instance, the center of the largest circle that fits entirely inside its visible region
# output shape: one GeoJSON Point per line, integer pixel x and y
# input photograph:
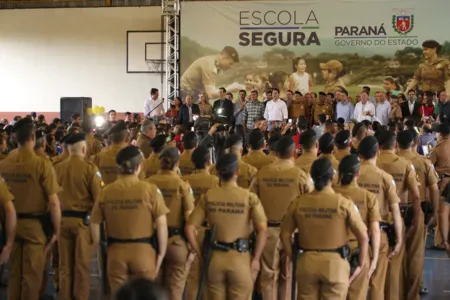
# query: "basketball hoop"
{"type": "Point", "coordinates": [154, 65]}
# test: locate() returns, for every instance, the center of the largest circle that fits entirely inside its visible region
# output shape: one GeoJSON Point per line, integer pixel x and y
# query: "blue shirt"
{"type": "Point", "coordinates": [424, 139]}
{"type": "Point", "coordinates": [344, 110]}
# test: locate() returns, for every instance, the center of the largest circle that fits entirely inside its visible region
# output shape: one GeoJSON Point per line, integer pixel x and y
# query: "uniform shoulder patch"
{"type": "Point", "coordinates": [412, 168]}
{"type": "Point", "coordinates": [191, 191]}
{"type": "Point", "coordinates": [159, 191]}
{"type": "Point", "coordinates": [99, 175]}
{"type": "Point", "coordinates": [356, 207]}
{"type": "Point", "coordinates": [393, 183]}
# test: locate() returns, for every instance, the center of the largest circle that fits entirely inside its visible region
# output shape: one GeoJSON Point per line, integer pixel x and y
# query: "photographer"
{"type": "Point", "coordinates": [223, 109]}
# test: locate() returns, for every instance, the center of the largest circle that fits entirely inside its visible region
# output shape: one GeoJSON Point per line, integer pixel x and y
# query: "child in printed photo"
{"type": "Point", "coordinates": [300, 80]}
{"type": "Point", "coordinates": [261, 84]}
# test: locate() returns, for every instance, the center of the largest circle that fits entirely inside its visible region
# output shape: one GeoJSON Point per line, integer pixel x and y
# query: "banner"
{"type": "Point", "coordinates": [313, 46]}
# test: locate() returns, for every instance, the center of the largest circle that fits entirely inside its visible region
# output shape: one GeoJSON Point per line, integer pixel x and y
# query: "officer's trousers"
{"type": "Point", "coordinates": [359, 287]}
{"type": "Point", "coordinates": [229, 276]}
{"type": "Point", "coordinates": [27, 261]}
{"type": "Point", "coordinates": [174, 273]}
{"type": "Point", "coordinates": [75, 258]}
{"type": "Point", "coordinates": [276, 269]}
{"type": "Point", "coordinates": [195, 272]}
{"type": "Point", "coordinates": [395, 276]}
{"type": "Point", "coordinates": [414, 261]}
{"type": "Point", "coordinates": [322, 276]}
{"type": "Point", "coordinates": [127, 261]}
{"type": "Point", "coordinates": [378, 279]}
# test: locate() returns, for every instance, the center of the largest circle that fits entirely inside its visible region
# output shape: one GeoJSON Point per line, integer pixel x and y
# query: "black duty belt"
{"type": "Point", "coordinates": [147, 240]}
{"type": "Point", "coordinates": [273, 223]}
{"type": "Point", "coordinates": [321, 250]}
{"type": "Point", "coordinates": [74, 214]}
{"type": "Point", "coordinates": [343, 251]}
{"type": "Point", "coordinates": [389, 229]}
{"type": "Point", "coordinates": [240, 245]}
{"type": "Point", "coordinates": [175, 231]}
{"type": "Point", "coordinates": [29, 216]}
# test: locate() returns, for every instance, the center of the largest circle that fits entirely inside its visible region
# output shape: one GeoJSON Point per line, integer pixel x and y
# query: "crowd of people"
{"type": "Point", "coordinates": [318, 197]}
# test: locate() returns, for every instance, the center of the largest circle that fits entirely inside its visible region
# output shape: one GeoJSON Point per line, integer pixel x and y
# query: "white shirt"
{"type": "Point", "coordinates": [276, 110]}
{"type": "Point", "coordinates": [360, 108]}
{"type": "Point", "coordinates": [151, 105]}
{"type": "Point", "coordinates": [411, 107]}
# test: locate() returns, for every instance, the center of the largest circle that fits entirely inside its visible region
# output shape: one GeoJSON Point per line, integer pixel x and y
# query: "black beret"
{"type": "Point", "coordinates": [405, 137]}
{"type": "Point", "coordinates": [342, 137]}
{"type": "Point", "coordinates": [227, 162]}
{"type": "Point", "coordinates": [158, 141]}
{"type": "Point", "coordinates": [348, 162]}
{"type": "Point", "coordinates": [443, 128]}
{"type": "Point", "coordinates": [75, 138]}
{"type": "Point", "coordinates": [255, 136]}
{"type": "Point", "coordinates": [189, 136]}
{"type": "Point", "coordinates": [274, 138]}
{"type": "Point", "coordinates": [64, 138]}
{"type": "Point", "coordinates": [307, 136]}
{"type": "Point", "coordinates": [232, 140]}
{"type": "Point", "coordinates": [385, 136]}
{"type": "Point", "coordinates": [325, 140]}
{"type": "Point", "coordinates": [367, 144]}
{"type": "Point", "coordinates": [118, 128]}
{"type": "Point", "coordinates": [22, 123]}
{"type": "Point", "coordinates": [127, 153]}
{"type": "Point", "coordinates": [170, 152]}
{"type": "Point", "coordinates": [284, 143]}
{"type": "Point", "coordinates": [322, 94]}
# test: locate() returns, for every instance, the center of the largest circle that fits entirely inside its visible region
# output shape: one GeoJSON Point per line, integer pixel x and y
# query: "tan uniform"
{"type": "Point", "coordinates": [404, 175]}
{"type": "Point", "coordinates": [93, 146]}
{"type": "Point", "coordinates": [322, 275]}
{"type": "Point", "coordinates": [333, 160]}
{"type": "Point", "coordinates": [150, 166]}
{"type": "Point", "coordinates": [320, 109]}
{"type": "Point", "coordinates": [186, 166]}
{"type": "Point", "coordinates": [231, 209]}
{"type": "Point", "coordinates": [32, 180]}
{"type": "Point", "coordinates": [120, 204]}
{"type": "Point", "coordinates": [298, 109]}
{"type": "Point", "coordinates": [246, 173]}
{"type": "Point", "coordinates": [277, 185]}
{"type": "Point", "coordinates": [81, 184]}
{"type": "Point", "coordinates": [258, 159]}
{"type": "Point", "coordinates": [179, 198]}
{"type": "Point", "coordinates": [143, 143]}
{"type": "Point", "coordinates": [305, 161]}
{"type": "Point", "coordinates": [367, 204]}
{"type": "Point", "coordinates": [440, 157]}
{"type": "Point", "coordinates": [201, 73]}
{"type": "Point", "coordinates": [106, 162]}
{"type": "Point", "coordinates": [201, 181]}
{"type": "Point", "coordinates": [339, 154]}
{"type": "Point", "coordinates": [383, 186]}
{"type": "Point", "coordinates": [2, 156]}
{"type": "Point", "coordinates": [60, 158]}
{"type": "Point", "coordinates": [415, 243]}
{"type": "Point", "coordinates": [433, 76]}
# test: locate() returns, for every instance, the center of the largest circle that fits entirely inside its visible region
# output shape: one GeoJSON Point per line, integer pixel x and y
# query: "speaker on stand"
{"type": "Point", "coordinates": [72, 105]}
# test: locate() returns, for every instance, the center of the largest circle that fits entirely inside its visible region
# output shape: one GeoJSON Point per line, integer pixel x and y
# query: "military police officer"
{"type": "Point", "coordinates": [33, 183]}
{"type": "Point", "coordinates": [342, 143]}
{"type": "Point", "coordinates": [256, 157]}
{"type": "Point", "coordinates": [179, 198]}
{"type": "Point", "coordinates": [229, 208]}
{"type": "Point", "coordinates": [189, 144]}
{"type": "Point", "coordinates": [277, 185]}
{"type": "Point", "coordinates": [331, 215]}
{"type": "Point", "coordinates": [151, 165]}
{"type": "Point", "coordinates": [131, 251]}
{"type": "Point", "coordinates": [81, 184]}
{"type": "Point", "coordinates": [309, 144]}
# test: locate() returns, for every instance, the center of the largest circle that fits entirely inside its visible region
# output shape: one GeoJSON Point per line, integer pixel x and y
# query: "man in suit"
{"type": "Point", "coordinates": [223, 108]}
{"type": "Point", "coordinates": [187, 112]}
{"type": "Point", "coordinates": [410, 108]}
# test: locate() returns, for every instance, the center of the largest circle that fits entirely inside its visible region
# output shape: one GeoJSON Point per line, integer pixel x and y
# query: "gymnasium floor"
{"type": "Point", "coordinates": [436, 277]}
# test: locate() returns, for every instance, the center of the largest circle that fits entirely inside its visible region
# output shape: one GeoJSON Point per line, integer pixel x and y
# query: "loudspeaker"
{"type": "Point", "coordinates": [71, 105]}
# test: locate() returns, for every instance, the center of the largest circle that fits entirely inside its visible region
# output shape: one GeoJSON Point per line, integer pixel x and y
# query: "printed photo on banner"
{"type": "Point", "coordinates": [308, 47]}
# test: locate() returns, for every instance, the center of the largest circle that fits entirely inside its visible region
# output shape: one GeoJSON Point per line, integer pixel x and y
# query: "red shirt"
{"type": "Point", "coordinates": [178, 139]}
{"type": "Point", "coordinates": [426, 110]}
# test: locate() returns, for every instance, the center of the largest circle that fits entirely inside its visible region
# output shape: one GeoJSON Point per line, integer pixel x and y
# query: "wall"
{"type": "Point", "coordinates": [46, 54]}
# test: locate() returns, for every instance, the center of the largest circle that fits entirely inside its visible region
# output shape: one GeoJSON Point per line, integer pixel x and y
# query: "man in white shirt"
{"type": "Point", "coordinates": [154, 107]}
{"type": "Point", "coordinates": [276, 110]}
{"type": "Point", "coordinates": [364, 110]}
{"type": "Point", "coordinates": [383, 108]}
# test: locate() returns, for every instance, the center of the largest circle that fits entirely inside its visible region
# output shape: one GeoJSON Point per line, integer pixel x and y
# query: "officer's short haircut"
{"type": "Point", "coordinates": [308, 141]}
{"type": "Point", "coordinates": [256, 139]}
{"type": "Point", "coordinates": [118, 137]}
{"type": "Point", "coordinates": [388, 144]}
{"type": "Point", "coordinates": [189, 140]}
{"type": "Point", "coordinates": [24, 134]}
{"type": "Point", "coordinates": [153, 91]}
{"type": "Point", "coordinates": [147, 124]}
{"type": "Point", "coordinates": [200, 157]}
{"type": "Point", "coordinates": [359, 131]}
{"type": "Point", "coordinates": [322, 118]}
